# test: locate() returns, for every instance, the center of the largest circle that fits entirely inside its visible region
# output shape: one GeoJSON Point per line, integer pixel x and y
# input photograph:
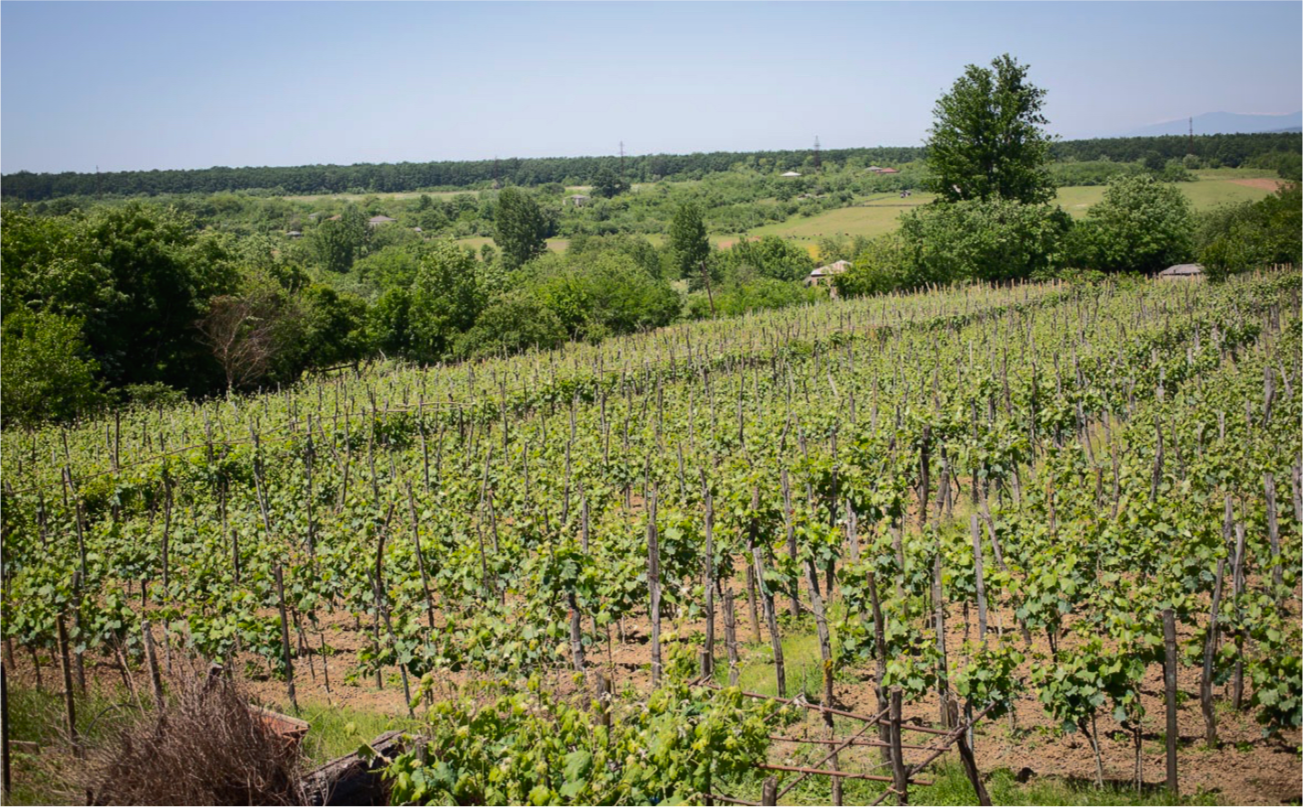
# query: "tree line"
{"type": "Point", "coordinates": [1233, 150]}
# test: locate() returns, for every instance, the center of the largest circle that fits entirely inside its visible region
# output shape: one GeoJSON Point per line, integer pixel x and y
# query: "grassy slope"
{"type": "Point", "coordinates": [880, 217]}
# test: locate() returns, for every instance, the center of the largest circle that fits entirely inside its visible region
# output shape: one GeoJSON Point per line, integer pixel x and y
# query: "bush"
{"type": "Point", "coordinates": [1141, 225]}
{"type": "Point", "coordinates": [770, 257]}
{"type": "Point", "coordinates": [45, 373]}
{"type": "Point", "coordinates": [608, 293]}
{"type": "Point", "coordinates": [511, 324]}
{"type": "Point", "coordinates": [988, 241]}
{"type": "Point", "coordinates": [882, 266]}
{"type": "Point", "coordinates": [1244, 237]}
{"type": "Point", "coordinates": [752, 294]}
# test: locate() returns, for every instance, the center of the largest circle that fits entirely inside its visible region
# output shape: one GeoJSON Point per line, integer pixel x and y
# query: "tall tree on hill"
{"type": "Point", "coordinates": [689, 245]}
{"type": "Point", "coordinates": [338, 242]}
{"type": "Point", "coordinates": [607, 184]}
{"type": "Point", "coordinates": [986, 137]}
{"type": "Point", "coordinates": [521, 229]}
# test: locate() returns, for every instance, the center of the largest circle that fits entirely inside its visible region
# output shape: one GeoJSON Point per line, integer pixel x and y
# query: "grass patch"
{"type": "Point", "coordinates": [339, 730]}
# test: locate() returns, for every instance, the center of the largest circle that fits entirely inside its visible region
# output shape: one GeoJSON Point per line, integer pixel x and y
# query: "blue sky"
{"type": "Point", "coordinates": [190, 85]}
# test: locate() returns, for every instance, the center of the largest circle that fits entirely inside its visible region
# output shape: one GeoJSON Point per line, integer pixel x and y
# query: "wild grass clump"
{"type": "Point", "coordinates": [204, 746]}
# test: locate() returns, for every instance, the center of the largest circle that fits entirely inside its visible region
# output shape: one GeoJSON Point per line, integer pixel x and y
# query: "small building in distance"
{"type": "Point", "coordinates": [376, 221]}
{"type": "Point", "coordinates": [293, 234]}
{"type": "Point", "coordinates": [1182, 271]}
{"type": "Point", "coordinates": [789, 174]}
{"type": "Point", "coordinates": [824, 274]}
{"type": "Point", "coordinates": [578, 200]}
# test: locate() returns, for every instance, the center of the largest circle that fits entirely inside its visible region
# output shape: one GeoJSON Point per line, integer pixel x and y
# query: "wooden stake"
{"type": "Point", "coordinates": [4, 730]}
{"type": "Point", "coordinates": [654, 587]}
{"type": "Point", "coordinates": [69, 701]}
{"type": "Point", "coordinates": [1169, 684]}
{"type": "Point", "coordinates": [285, 640]}
{"type": "Point", "coordinates": [151, 664]}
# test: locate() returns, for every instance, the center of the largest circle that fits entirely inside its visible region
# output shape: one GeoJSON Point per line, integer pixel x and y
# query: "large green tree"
{"type": "Point", "coordinates": [986, 137]}
{"type": "Point", "coordinates": [521, 228]}
{"type": "Point", "coordinates": [445, 300]}
{"type": "Point", "coordinates": [1141, 225]}
{"type": "Point", "coordinates": [689, 245]}
{"type": "Point", "coordinates": [340, 241]}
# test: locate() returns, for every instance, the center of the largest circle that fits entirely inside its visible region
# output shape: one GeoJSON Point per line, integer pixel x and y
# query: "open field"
{"type": "Point", "coordinates": [1069, 447]}
{"type": "Point", "coordinates": [880, 216]}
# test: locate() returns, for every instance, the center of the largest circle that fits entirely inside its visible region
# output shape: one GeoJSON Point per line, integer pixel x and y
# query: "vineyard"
{"type": "Point", "coordinates": [1029, 503]}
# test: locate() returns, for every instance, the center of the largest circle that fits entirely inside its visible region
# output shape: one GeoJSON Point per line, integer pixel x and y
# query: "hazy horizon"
{"type": "Point", "coordinates": [195, 85]}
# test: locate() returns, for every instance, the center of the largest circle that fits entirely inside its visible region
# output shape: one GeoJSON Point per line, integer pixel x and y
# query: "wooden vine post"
{"type": "Point", "coordinates": [69, 699]}
{"type": "Point", "coordinates": [766, 596]}
{"type": "Point", "coordinates": [730, 636]}
{"type": "Point", "coordinates": [285, 639]}
{"type": "Point", "coordinates": [5, 782]}
{"type": "Point", "coordinates": [151, 664]}
{"type": "Point", "coordinates": [708, 652]}
{"type": "Point", "coordinates": [1169, 685]}
{"type": "Point", "coordinates": [654, 588]}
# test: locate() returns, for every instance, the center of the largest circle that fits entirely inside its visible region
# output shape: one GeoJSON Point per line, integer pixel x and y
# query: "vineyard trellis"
{"type": "Point", "coordinates": [1071, 462]}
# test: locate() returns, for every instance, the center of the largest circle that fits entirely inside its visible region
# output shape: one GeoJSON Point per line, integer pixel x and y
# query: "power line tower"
{"type": "Point", "coordinates": [497, 182]}
{"type": "Point", "coordinates": [621, 159]}
{"type": "Point", "coordinates": [818, 162]}
{"type": "Point", "coordinates": [1190, 148]}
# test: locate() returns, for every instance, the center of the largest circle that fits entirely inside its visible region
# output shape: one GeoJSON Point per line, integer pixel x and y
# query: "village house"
{"type": "Point", "coordinates": [824, 274]}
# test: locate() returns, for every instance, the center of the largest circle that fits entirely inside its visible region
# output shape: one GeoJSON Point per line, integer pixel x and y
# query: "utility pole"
{"type": "Point", "coordinates": [497, 183]}
{"type": "Point", "coordinates": [1190, 148]}
{"type": "Point", "coordinates": [621, 159]}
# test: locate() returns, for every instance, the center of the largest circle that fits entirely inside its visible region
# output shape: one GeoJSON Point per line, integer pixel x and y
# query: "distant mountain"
{"type": "Point", "coordinates": [1286, 130]}
{"type": "Point", "coordinates": [1223, 123]}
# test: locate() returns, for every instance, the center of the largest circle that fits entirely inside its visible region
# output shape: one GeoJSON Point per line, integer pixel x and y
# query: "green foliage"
{"type": "Point", "coordinates": [991, 240]}
{"type": "Point", "coordinates": [768, 257]}
{"type": "Point", "coordinates": [606, 184]}
{"type": "Point", "coordinates": [990, 678]}
{"type": "Point", "coordinates": [339, 240]}
{"type": "Point", "coordinates": [603, 292]}
{"type": "Point", "coordinates": [883, 265]}
{"type": "Point", "coordinates": [45, 374]}
{"type": "Point", "coordinates": [445, 300]}
{"type": "Point", "coordinates": [1277, 675]}
{"type": "Point", "coordinates": [742, 295]}
{"type": "Point", "coordinates": [1141, 225]}
{"type": "Point", "coordinates": [688, 244]}
{"type": "Point", "coordinates": [986, 137]}
{"type": "Point", "coordinates": [1252, 235]}
{"type": "Point", "coordinates": [520, 229]}
{"type": "Point", "coordinates": [530, 748]}
{"type": "Point", "coordinates": [512, 323]}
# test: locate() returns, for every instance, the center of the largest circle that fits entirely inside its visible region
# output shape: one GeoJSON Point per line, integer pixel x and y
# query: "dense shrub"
{"type": "Point", "coordinates": [45, 373]}
{"type": "Point", "coordinates": [1141, 225]}
{"type": "Point", "coordinates": [882, 265]}
{"type": "Point", "coordinates": [769, 257]}
{"type": "Point", "coordinates": [1243, 237]}
{"type": "Point", "coordinates": [990, 241]}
